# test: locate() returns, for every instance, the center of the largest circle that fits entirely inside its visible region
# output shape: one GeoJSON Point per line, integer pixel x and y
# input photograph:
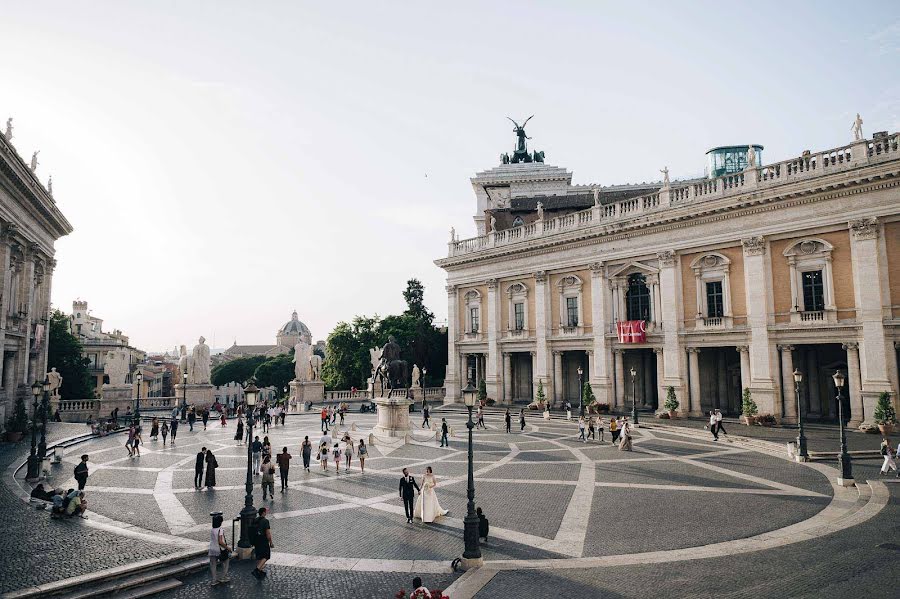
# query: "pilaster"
{"type": "Point", "coordinates": [452, 378]}
{"type": "Point", "coordinates": [694, 377]}
{"type": "Point", "coordinates": [670, 294]}
{"type": "Point", "coordinates": [493, 366]}
{"type": "Point", "coordinates": [542, 324]}
{"type": "Point", "coordinates": [788, 393]}
{"type": "Point", "coordinates": [599, 376]}
{"type": "Point", "coordinates": [854, 384]}
{"type": "Point", "coordinates": [757, 282]}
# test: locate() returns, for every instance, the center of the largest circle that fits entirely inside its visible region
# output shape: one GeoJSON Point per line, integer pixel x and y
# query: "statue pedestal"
{"type": "Point", "coordinates": [393, 417]}
{"type": "Point", "coordinates": [200, 396]}
{"type": "Point", "coordinates": [304, 391]}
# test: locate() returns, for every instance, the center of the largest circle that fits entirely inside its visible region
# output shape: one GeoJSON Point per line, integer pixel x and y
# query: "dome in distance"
{"type": "Point", "coordinates": [293, 331]}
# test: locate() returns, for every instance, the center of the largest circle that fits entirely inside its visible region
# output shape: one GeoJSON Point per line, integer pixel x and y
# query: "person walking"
{"type": "Point", "coordinates": [263, 543]}
{"type": "Point", "coordinates": [712, 426]}
{"type": "Point", "coordinates": [481, 417]}
{"type": "Point", "coordinates": [219, 551]}
{"type": "Point", "coordinates": [592, 425]}
{"type": "Point", "coordinates": [81, 472]}
{"type": "Point", "coordinates": [348, 452]}
{"type": "Point", "coordinates": [130, 442]}
{"type": "Point", "coordinates": [256, 451]}
{"type": "Point", "coordinates": [720, 428]}
{"type": "Point", "coordinates": [165, 431]}
{"type": "Point", "coordinates": [323, 455]}
{"type": "Point", "coordinates": [154, 429]}
{"type": "Point", "coordinates": [191, 418]}
{"type": "Point", "coordinates": [211, 465]}
{"type": "Point", "coordinates": [445, 430]}
{"type": "Point", "coordinates": [600, 425]}
{"type": "Point", "coordinates": [508, 419]}
{"type": "Point", "coordinates": [625, 443]}
{"type": "Point", "coordinates": [408, 489]}
{"type": "Point", "coordinates": [239, 433]}
{"type": "Point", "coordinates": [336, 453]}
{"type": "Point", "coordinates": [268, 478]}
{"type": "Point", "coordinates": [425, 416]}
{"type": "Point", "coordinates": [334, 414]}
{"type": "Point", "coordinates": [324, 416]}
{"type": "Point", "coordinates": [284, 463]}
{"type": "Point", "coordinates": [614, 429]}
{"type": "Point", "coordinates": [198, 468]}
{"type": "Point", "coordinates": [362, 451]}
{"type": "Point", "coordinates": [174, 429]}
{"type": "Point", "coordinates": [568, 410]}
{"type": "Point", "coordinates": [889, 458]}
{"type": "Point", "coordinates": [522, 420]}
{"type": "Point", "coordinates": [341, 411]}
{"type": "Point", "coordinates": [581, 429]}
{"type": "Point", "coordinates": [306, 452]}
{"type": "Point", "coordinates": [204, 416]}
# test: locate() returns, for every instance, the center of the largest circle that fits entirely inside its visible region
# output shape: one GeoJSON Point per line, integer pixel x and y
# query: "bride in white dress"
{"type": "Point", "coordinates": [427, 506]}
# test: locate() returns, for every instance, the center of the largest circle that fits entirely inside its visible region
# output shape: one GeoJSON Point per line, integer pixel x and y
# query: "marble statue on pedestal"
{"type": "Point", "coordinates": [315, 367]}
{"type": "Point", "coordinates": [116, 367]}
{"type": "Point", "coordinates": [665, 173]}
{"type": "Point", "coordinates": [302, 352]}
{"type": "Point", "coordinates": [55, 380]}
{"type": "Point", "coordinates": [857, 128]}
{"type": "Point", "coordinates": [199, 372]}
{"type": "Point", "coordinates": [416, 376]}
{"type": "Point", "coordinates": [751, 157]}
{"type": "Point", "coordinates": [540, 210]}
{"type": "Point", "coordinates": [184, 364]}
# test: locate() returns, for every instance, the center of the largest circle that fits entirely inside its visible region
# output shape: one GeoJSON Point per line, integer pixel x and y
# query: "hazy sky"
{"type": "Point", "coordinates": [224, 163]}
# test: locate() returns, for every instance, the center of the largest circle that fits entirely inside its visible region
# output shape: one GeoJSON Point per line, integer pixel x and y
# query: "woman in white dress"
{"type": "Point", "coordinates": [427, 507]}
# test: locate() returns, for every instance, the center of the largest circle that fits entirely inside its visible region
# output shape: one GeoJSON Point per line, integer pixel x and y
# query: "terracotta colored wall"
{"type": "Point", "coordinates": [586, 315]}
{"type": "Point", "coordinates": [736, 278]}
{"type": "Point", "coordinates": [483, 315]}
{"type": "Point", "coordinates": [892, 243]}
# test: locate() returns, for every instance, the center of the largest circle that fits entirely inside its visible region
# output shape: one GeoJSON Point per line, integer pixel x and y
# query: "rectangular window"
{"type": "Point", "coordinates": [813, 291]}
{"type": "Point", "coordinates": [519, 309]}
{"type": "Point", "coordinates": [572, 311]}
{"type": "Point", "coordinates": [715, 305]}
{"type": "Point", "coordinates": [473, 317]}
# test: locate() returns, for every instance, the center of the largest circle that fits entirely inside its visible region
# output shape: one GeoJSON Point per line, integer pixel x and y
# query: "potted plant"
{"type": "Point", "coordinates": [540, 399]}
{"type": "Point", "coordinates": [17, 423]}
{"type": "Point", "coordinates": [671, 404]}
{"type": "Point", "coordinates": [748, 408]}
{"type": "Point", "coordinates": [885, 415]}
{"type": "Point", "coordinates": [587, 398]}
{"type": "Point", "coordinates": [767, 420]}
{"type": "Point", "coordinates": [482, 391]}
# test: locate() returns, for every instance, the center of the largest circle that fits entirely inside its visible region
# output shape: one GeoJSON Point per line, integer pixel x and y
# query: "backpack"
{"type": "Point", "coordinates": [254, 531]}
{"type": "Point", "coordinates": [884, 450]}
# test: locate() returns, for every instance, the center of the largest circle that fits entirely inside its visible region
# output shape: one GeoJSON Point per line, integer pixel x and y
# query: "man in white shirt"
{"type": "Point", "coordinates": [713, 426]}
{"type": "Point", "coordinates": [719, 427]}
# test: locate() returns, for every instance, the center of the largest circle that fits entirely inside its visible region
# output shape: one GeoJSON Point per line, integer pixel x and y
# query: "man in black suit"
{"type": "Point", "coordinates": [198, 468]}
{"type": "Point", "coordinates": [408, 490]}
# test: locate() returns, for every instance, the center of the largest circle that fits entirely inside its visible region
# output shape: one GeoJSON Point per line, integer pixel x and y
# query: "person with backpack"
{"type": "Point", "coordinates": [81, 472]}
{"type": "Point", "coordinates": [268, 477]}
{"type": "Point", "coordinates": [219, 551]}
{"type": "Point", "coordinates": [261, 533]}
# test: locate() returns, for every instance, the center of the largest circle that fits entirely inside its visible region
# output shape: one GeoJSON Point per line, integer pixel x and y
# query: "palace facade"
{"type": "Point", "coordinates": [30, 224]}
{"type": "Point", "coordinates": [709, 286]}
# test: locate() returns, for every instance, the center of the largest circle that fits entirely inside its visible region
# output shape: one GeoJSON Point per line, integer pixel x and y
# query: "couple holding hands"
{"type": "Point", "coordinates": [426, 508]}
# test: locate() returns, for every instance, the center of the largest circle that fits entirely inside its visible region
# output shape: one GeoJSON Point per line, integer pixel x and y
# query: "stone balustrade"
{"type": "Point", "coordinates": [803, 167]}
{"type": "Point", "coordinates": [345, 395]}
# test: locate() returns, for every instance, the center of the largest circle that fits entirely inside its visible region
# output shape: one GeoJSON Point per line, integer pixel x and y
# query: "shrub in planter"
{"type": "Point", "coordinates": [541, 398]}
{"type": "Point", "coordinates": [603, 408]}
{"type": "Point", "coordinates": [17, 424]}
{"type": "Point", "coordinates": [587, 397]}
{"type": "Point", "coordinates": [748, 407]}
{"type": "Point", "coordinates": [482, 391]}
{"type": "Point", "coordinates": [766, 420]}
{"type": "Point", "coordinates": [885, 415]}
{"type": "Point", "coordinates": [671, 402]}
{"type": "Point", "coordinates": [490, 401]}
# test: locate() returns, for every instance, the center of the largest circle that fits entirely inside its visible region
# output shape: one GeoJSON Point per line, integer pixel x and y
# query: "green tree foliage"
{"type": "Point", "coordinates": [65, 353]}
{"type": "Point", "coordinates": [587, 395]}
{"type": "Point", "coordinates": [238, 371]}
{"type": "Point", "coordinates": [671, 401]}
{"type": "Point", "coordinates": [884, 410]}
{"type": "Point", "coordinates": [482, 390]}
{"type": "Point", "coordinates": [347, 363]}
{"type": "Point", "coordinates": [748, 406]}
{"type": "Point", "coordinates": [540, 392]}
{"type": "Point", "coordinates": [275, 372]}
{"type": "Point", "coordinates": [18, 422]}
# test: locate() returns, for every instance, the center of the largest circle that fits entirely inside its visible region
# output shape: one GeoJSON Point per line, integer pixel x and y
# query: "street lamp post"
{"type": "Point", "coordinates": [846, 478]}
{"type": "Point", "coordinates": [581, 391]}
{"type": "Point", "coordinates": [472, 554]}
{"type": "Point", "coordinates": [45, 407]}
{"type": "Point", "coordinates": [34, 462]}
{"type": "Point", "coordinates": [184, 396]}
{"type": "Point", "coordinates": [249, 512]}
{"type": "Point", "coordinates": [422, 384]}
{"type": "Point", "coordinates": [137, 401]}
{"type": "Point", "coordinates": [634, 414]}
{"type": "Point", "coordinates": [802, 454]}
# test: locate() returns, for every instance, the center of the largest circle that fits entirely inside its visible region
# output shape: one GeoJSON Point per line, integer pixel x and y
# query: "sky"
{"type": "Point", "coordinates": [224, 163]}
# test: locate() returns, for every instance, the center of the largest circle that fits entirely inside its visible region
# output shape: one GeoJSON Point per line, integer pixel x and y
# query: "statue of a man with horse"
{"type": "Point", "coordinates": [392, 369]}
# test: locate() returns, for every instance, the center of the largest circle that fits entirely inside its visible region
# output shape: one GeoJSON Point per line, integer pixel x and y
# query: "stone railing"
{"type": "Point", "coordinates": [78, 405]}
{"type": "Point", "coordinates": [435, 392]}
{"type": "Point", "coordinates": [159, 402]}
{"type": "Point", "coordinates": [345, 395]}
{"type": "Point", "coordinates": [807, 166]}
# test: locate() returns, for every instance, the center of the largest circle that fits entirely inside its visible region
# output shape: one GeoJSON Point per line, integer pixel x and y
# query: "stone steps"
{"type": "Point", "coordinates": [123, 582]}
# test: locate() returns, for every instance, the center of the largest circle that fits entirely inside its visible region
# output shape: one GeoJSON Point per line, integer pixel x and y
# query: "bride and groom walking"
{"type": "Point", "coordinates": [427, 507]}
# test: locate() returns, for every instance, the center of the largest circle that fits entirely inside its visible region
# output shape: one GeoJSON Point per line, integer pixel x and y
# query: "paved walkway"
{"type": "Point", "coordinates": [555, 503]}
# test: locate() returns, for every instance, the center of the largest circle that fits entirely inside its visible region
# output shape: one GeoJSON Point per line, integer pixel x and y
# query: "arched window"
{"type": "Point", "coordinates": [518, 222]}
{"type": "Point", "coordinates": [637, 298]}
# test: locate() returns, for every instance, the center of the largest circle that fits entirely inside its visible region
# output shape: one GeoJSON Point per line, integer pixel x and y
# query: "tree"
{"type": "Point", "coordinates": [482, 390]}
{"type": "Point", "coordinates": [540, 392]}
{"type": "Point", "coordinates": [66, 354]}
{"type": "Point", "coordinates": [238, 371]}
{"type": "Point", "coordinates": [671, 401]}
{"type": "Point", "coordinates": [415, 301]}
{"type": "Point", "coordinates": [884, 410]}
{"type": "Point", "coordinates": [748, 406]}
{"type": "Point", "coordinates": [587, 395]}
{"type": "Point", "coordinates": [18, 422]}
{"type": "Point", "coordinates": [275, 372]}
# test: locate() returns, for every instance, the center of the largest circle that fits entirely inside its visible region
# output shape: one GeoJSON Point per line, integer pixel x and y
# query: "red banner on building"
{"type": "Point", "coordinates": [632, 331]}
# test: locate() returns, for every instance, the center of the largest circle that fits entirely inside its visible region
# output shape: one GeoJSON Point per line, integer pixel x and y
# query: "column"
{"type": "Point", "coordinates": [453, 378]}
{"type": "Point", "coordinates": [542, 324]}
{"type": "Point", "coordinates": [812, 370]}
{"type": "Point", "coordinates": [28, 299]}
{"type": "Point", "coordinates": [5, 241]}
{"type": "Point", "coordinates": [870, 274]}
{"type": "Point", "coordinates": [661, 389]}
{"type": "Point", "coordinates": [492, 359]}
{"type": "Point", "coordinates": [670, 294]}
{"type": "Point", "coordinates": [694, 378]}
{"type": "Point", "coordinates": [721, 382]}
{"type": "Point", "coordinates": [598, 373]}
{"type": "Point", "coordinates": [620, 378]}
{"type": "Point", "coordinates": [507, 378]}
{"type": "Point", "coordinates": [759, 306]}
{"type": "Point", "coordinates": [534, 379]}
{"type": "Point", "coordinates": [557, 396]}
{"type": "Point", "coordinates": [854, 385]}
{"type": "Point", "coordinates": [788, 393]}
{"type": "Point", "coordinates": [464, 370]}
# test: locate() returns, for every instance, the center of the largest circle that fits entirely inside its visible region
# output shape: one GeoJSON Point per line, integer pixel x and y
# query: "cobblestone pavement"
{"type": "Point", "coordinates": [548, 496]}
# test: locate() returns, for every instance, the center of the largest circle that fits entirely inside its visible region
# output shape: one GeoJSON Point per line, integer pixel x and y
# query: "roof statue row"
{"type": "Point", "coordinates": [8, 135]}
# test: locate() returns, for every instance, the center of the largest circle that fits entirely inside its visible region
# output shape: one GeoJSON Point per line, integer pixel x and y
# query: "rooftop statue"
{"type": "Point", "coordinates": [520, 154]}
{"type": "Point", "coordinates": [665, 173]}
{"type": "Point", "coordinates": [9, 127]}
{"type": "Point", "coordinates": [520, 135]}
{"type": "Point", "coordinates": [34, 161]}
{"type": "Point", "coordinates": [540, 210]}
{"type": "Point", "coordinates": [751, 157]}
{"type": "Point", "coordinates": [857, 128]}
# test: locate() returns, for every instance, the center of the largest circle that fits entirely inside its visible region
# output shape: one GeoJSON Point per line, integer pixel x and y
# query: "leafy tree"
{"type": "Point", "coordinates": [884, 410]}
{"type": "Point", "coordinates": [415, 301]}
{"type": "Point", "coordinates": [66, 354]}
{"type": "Point", "coordinates": [671, 401]}
{"type": "Point", "coordinates": [587, 395]}
{"type": "Point", "coordinates": [18, 422]}
{"type": "Point", "coordinates": [482, 390]}
{"type": "Point", "coordinates": [748, 406]}
{"type": "Point", "coordinates": [238, 371]}
{"type": "Point", "coordinates": [540, 392]}
{"type": "Point", "coordinates": [275, 372]}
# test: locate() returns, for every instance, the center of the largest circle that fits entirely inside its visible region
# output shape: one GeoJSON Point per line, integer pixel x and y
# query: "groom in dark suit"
{"type": "Point", "coordinates": [408, 490]}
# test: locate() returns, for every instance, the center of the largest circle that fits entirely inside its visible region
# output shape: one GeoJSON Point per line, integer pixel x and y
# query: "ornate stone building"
{"type": "Point", "coordinates": [30, 224]}
{"type": "Point", "coordinates": [289, 335]}
{"type": "Point", "coordinates": [97, 342]}
{"type": "Point", "coordinates": [708, 285]}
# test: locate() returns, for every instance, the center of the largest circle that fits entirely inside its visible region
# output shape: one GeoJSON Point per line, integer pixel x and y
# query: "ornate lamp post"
{"type": "Point", "coordinates": [34, 462]}
{"type": "Point", "coordinates": [422, 384]}
{"type": "Point", "coordinates": [183, 396]}
{"type": "Point", "coordinates": [137, 401]}
{"type": "Point", "coordinates": [634, 414]}
{"type": "Point", "coordinates": [846, 478]}
{"type": "Point", "coordinates": [802, 455]}
{"type": "Point", "coordinates": [249, 512]}
{"type": "Point", "coordinates": [581, 390]}
{"type": "Point", "coordinates": [472, 554]}
{"type": "Point", "coordinates": [45, 407]}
